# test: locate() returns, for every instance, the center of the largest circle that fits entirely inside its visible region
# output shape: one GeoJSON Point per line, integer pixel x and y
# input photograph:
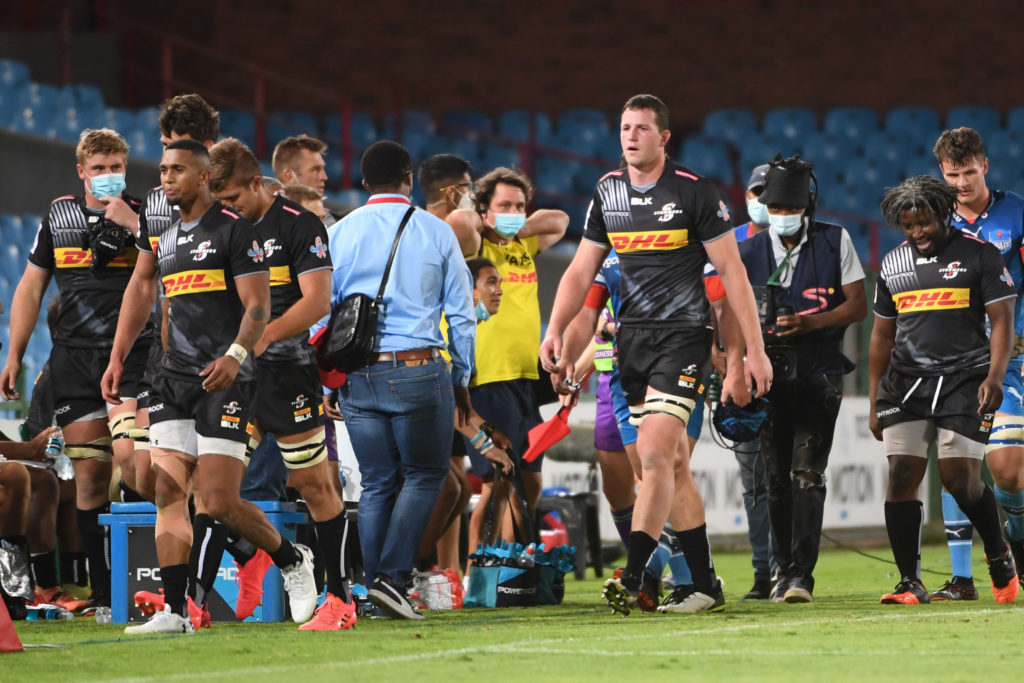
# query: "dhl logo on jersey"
{"type": "Point", "coordinates": [192, 281]}
{"type": "Point", "coordinates": [522, 278]}
{"type": "Point", "coordinates": [72, 257]}
{"type": "Point", "coordinates": [932, 299]}
{"type": "Point", "coordinates": [154, 242]}
{"type": "Point", "coordinates": [652, 240]}
{"type": "Point", "coordinates": [280, 275]}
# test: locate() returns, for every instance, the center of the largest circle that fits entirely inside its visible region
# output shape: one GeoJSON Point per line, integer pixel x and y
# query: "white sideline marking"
{"type": "Point", "coordinates": [532, 645]}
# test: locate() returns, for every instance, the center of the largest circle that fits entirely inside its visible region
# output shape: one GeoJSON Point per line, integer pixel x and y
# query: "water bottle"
{"type": "Point", "coordinates": [55, 454]}
{"type": "Point", "coordinates": [50, 612]}
{"type": "Point", "coordinates": [104, 616]}
{"type": "Point", "coordinates": [526, 558]}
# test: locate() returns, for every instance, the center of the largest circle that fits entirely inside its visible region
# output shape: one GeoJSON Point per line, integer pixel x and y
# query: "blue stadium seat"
{"type": "Point", "coordinates": [554, 175]}
{"type": "Point", "coordinates": [1015, 120]}
{"type": "Point", "coordinates": [495, 155]}
{"type": "Point", "coordinates": [81, 97]}
{"type": "Point", "coordinates": [851, 122]}
{"type": "Point", "coordinates": [463, 148]}
{"type": "Point", "coordinates": [890, 147]}
{"type": "Point", "coordinates": [593, 117]}
{"type": "Point", "coordinates": [789, 123]}
{"type": "Point", "coordinates": [147, 122]}
{"type": "Point", "coordinates": [352, 197]}
{"type": "Point", "coordinates": [733, 125]}
{"type": "Point", "coordinates": [985, 120]}
{"type": "Point", "coordinates": [586, 178]}
{"type": "Point", "coordinates": [12, 100]}
{"type": "Point", "coordinates": [464, 122]}
{"type": "Point", "coordinates": [12, 261]}
{"type": "Point", "coordinates": [283, 124]}
{"type": "Point", "coordinates": [144, 144]}
{"type": "Point", "coordinates": [121, 120]}
{"type": "Point", "coordinates": [1005, 147]}
{"type": "Point", "coordinates": [13, 73]}
{"type": "Point", "coordinates": [238, 123]}
{"type": "Point", "coordinates": [889, 238]}
{"type": "Point", "coordinates": [515, 124]}
{"type": "Point", "coordinates": [41, 121]}
{"type": "Point", "coordinates": [363, 130]}
{"type": "Point", "coordinates": [760, 149]}
{"type": "Point", "coordinates": [580, 137]}
{"type": "Point", "coordinates": [829, 152]}
{"type": "Point", "coordinates": [920, 164]}
{"type": "Point", "coordinates": [419, 143]}
{"type": "Point", "coordinates": [412, 121]}
{"type": "Point", "coordinates": [872, 176]}
{"type": "Point", "coordinates": [708, 157]}
{"type": "Point", "coordinates": [911, 120]}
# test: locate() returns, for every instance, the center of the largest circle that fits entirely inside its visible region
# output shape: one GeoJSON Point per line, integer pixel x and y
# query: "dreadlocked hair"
{"type": "Point", "coordinates": [920, 192]}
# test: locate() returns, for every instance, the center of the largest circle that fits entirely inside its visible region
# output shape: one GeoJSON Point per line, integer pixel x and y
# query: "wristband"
{"type": "Point", "coordinates": [485, 447]}
{"type": "Point", "coordinates": [487, 428]}
{"type": "Point", "coordinates": [477, 440]}
{"type": "Point", "coordinates": [238, 352]}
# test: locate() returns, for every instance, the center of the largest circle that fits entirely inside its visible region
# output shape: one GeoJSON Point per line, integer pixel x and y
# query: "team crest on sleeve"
{"type": "Point", "coordinates": [723, 210]}
{"type": "Point", "coordinates": [319, 248]}
{"type": "Point", "coordinates": [256, 253]}
{"type": "Point", "coordinates": [1005, 277]}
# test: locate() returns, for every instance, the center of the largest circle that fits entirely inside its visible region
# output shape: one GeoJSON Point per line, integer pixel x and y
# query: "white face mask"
{"type": "Point", "coordinates": [465, 200]}
{"type": "Point", "coordinates": [758, 212]}
{"type": "Point", "coordinates": [786, 226]}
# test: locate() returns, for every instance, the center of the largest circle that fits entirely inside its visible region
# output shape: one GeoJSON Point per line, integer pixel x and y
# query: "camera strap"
{"type": "Point", "coordinates": [784, 267]}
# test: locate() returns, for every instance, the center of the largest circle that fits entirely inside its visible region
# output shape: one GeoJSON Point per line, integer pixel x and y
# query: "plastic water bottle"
{"type": "Point", "coordinates": [527, 559]}
{"type": "Point", "coordinates": [51, 612]}
{"type": "Point", "coordinates": [56, 455]}
{"type": "Point", "coordinates": [104, 616]}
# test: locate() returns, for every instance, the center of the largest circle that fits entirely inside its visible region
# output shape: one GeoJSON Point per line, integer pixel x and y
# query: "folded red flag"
{"type": "Point", "coordinates": [547, 434]}
{"type": "Point", "coordinates": [329, 377]}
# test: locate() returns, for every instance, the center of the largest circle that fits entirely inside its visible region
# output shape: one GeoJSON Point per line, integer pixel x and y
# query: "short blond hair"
{"type": "Point", "coordinates": [289, 151]}
{"type": "Point", "coordinates": [100, 141]}
{"type": "Point", "coordinates": [297, 192]}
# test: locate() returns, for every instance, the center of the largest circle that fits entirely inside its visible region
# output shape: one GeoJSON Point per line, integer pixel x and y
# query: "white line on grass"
{"type": "Point", "coordinates": [531, 644]}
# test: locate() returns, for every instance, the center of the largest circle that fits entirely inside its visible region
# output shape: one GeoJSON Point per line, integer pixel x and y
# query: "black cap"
{"type": "Point", "coordinates": [787, 183]}
{"type": "Point", "coordinates": [757, 177]}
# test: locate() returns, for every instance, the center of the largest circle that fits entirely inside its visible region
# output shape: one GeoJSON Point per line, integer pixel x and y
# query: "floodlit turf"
{"type": "Point", "coordinates": [844, 635]}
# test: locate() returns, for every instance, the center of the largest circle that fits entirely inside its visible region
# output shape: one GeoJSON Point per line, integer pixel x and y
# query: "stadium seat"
{"type": "Point", "coordinates": [143, 144]}
{"type": "Point", "coordinates": [829, 152]}
{"type": "Point", "coordinates": [363, 130]}
{"type": "Point", "coordinates": [495, 155]}
{"type": "Point", "coordinates": [352, 197]}
{"type": "Point", "coordinates": [586, 178]}
{"type": "Point", "coordinates": [515, 124]}
{"type": "Point", "coordinates": [467, 123]}
{"type": "Point", "coordinates": [121, 120]}
{"type": "Point", "coordinates": [1015, 120]}
{"type": "Point", "coordinates": [733, 125]}
{"type": "Point", "coordinates": [760, 149]}
{"type": "Point", "coordinates": [12, 103]}
{"type": "Point", "coordinates": [872, 176]}
{"type": "Point", "coordinates": [851, 122]}
{"type": "Point", "coordinates": [410, 121]}
{"type": "Point", "coordinates": [13, 73]}
{"type": "Point", "coordinates": [283, 124]}
{"type": "Point", "coordinates": [789, 123]}
{"type": "Point", "coordinates": [84, 98]}
{"type": "Point", "coordinates": [890, 147]}
{"type": "Point", "coordinates": [238, 123]}
{"type": "Point", "coordinates": [610, 151]}
{"type": "Point", "coordinates": [708, 157]}
{"type": "Point", "coordinates": [1005, 147]}
{"type": "Point", "coordinates": [419, 143]}
{"type": "Point", "coordinates": [582, 131]}
{"type": "Point", "coordinates": [554, 175]}
{"type": "Point", "coordinates": [41, 121]}
{"type": "Point", "coordinates": [985, 120]}
{"type": "Point", "coordinates": [920, 164]}
{"type": "Point", "coordinates": [911, 120]}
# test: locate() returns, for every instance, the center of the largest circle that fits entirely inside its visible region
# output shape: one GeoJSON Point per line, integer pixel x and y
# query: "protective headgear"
{"type": "Point", "coordinates": [740, 424]}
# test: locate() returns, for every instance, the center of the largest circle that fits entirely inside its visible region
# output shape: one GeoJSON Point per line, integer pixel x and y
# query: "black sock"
{"type": "Point", "coordinates": [984, 515]}
{"type": "Point", "coordinates": [175, 580]}
{"type": "Point", "coordinates": [330, 535]}
{"type": "Point", "coordinates": [286, 555]}
{"type": "Point", "coordinates": [94, 537]}
{"type": "Point", "coordinates": [129, 495]}
{"type": "Point", "coordinates": [209, 537]}
{"type": "Point", "coordinates": [44, 569]}
{"type": "Point", "coordinates": [73, 569]}
{"type": "Point", "coordinates": [240, 548]}
{"type": "Point", "coordinates": [639, 551]}
{"type": "Point", "coordinates": [697, 550]}
{"type": "Point", "coordinates": [903, 522]}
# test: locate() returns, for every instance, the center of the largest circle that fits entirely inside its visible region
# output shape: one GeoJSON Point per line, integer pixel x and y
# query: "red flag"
{"type": "Point", "coordinates": [547, 434]}
{"type": "Point", "coordinates": [9, 641]}
{"type": "Point", "coordinates": [329, 377]}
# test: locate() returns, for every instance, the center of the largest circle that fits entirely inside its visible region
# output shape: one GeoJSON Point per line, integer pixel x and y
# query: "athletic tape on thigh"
{"type": "Point", "coordinates": [140, 435]}
{"type": "Point", "coordinates": [121, 426]}
{"type": "Point", "coordinates": [950, 444]}
{"type": "Point", "coordinates": [249, 448]}
{"type": "Point", "coordinates": [1007, 431]}
{"type": "Point", "coordinates": [676, 406]}
{"type": "Point", "coordinates": [99, 448]}
{"type": "Point", "coordinates": [304, 454]}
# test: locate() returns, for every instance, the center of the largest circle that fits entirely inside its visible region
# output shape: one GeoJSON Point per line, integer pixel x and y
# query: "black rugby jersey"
{"type": "Point", "coordinates": [198, 268]}
{"type": "Point", "coordinates": [294, 243]}
{"type": "Point", "coordinates": [659, 235]}
{"type": "Point", "coordinates": [90, 302]}
{"type": "Point", "coordinates": [156, 216]}
{"type": "Point", "coordinates": [938, 302]}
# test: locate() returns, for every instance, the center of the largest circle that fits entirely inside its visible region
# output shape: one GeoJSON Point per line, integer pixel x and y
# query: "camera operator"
{"type": "Point", "coordinates": [809, 286]}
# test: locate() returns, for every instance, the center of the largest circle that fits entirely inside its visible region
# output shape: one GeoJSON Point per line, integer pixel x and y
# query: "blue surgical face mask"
{"type": "Point", "coordinates": [107, 185]}
{"type": "Point", "coordinates": [508, 225]}
{"type": "Point", "coordinates": [482, 313]}
{"type": "Point", "coordinates": [758, 212]}
{"type": "Point", "coordinates": [786, 226]}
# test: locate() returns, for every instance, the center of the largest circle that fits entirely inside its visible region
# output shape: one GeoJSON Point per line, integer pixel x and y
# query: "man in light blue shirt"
{"type": "Point", "coordinates": [400, 409]}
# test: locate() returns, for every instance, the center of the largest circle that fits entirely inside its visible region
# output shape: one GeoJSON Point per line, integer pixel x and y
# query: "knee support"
{"type": "Point", "coordinates": [100, 449]}
{"type": "Point", "coordinates": [304, 454]}
{"type": "Point", "coordinates": [676, 406]}
{"type": "Point", "coordinates": [121, 426]}
{"type": "Point", "coordinates": [249, 449]}
{"type": "Point", "coordinates": [1007, 432]}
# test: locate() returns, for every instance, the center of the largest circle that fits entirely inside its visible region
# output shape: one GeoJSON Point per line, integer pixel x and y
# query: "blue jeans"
{"type": "Point", "coordinates": [400, 421]}
{"type": "Point", "coordinates": [754, 480]}
{"type": "Point", "coordinates": [266, 475]}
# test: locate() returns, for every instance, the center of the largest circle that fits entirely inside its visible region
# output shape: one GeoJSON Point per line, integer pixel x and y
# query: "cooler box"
{"type": "Point", "coordinates": [134, 565]}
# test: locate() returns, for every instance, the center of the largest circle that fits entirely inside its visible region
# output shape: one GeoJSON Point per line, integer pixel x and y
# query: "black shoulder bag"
{"type": "Point", "coordinates": [353, 324]}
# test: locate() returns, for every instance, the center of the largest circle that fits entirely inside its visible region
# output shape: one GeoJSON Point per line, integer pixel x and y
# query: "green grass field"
{"type": "Point", "coordinates": [845, 633]}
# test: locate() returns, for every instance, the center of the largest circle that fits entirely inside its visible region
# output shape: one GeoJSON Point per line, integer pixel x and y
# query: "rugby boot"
{"type": "Point", "coordinates": [650, 593]}
{"type": "Point", "coordinates": [163, 621]}
{"type": "Point", "coordinates": [249, 579]}
{"type": "Point", "coordinates": [333, 615]}
{"type": "Point", "coordinates": [1005, 584]}
{"type": "Point", "coordinates": [618, 597]}
{"type": "Point", "coordinates": [957, 588]}
{"type": "Point", "coordinates": [56, 596]}
{"type": "Point", "coordinates": [907, 592]}
{"type": "Point", "coordinates": [688, 600]}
